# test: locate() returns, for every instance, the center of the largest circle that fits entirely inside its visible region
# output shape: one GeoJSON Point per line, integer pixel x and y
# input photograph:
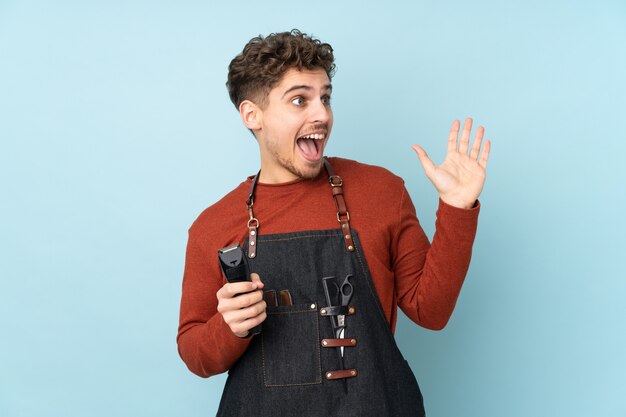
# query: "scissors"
{"type": "Point", "coordinates": [344, 296]}
{"type": "Point", "coordinates": [338, 295]}
{"type": "Point", "coordinates": [345, 293]}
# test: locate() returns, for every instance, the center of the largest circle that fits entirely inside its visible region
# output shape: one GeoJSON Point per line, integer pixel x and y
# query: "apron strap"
{"type": "Point", "coordinates": [253, 222]}
{"type": "Point", "coordinates": [343, 215]}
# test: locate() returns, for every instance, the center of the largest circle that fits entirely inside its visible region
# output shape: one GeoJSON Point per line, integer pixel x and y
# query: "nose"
{"type": "Point", "coordinates": [320, 112]}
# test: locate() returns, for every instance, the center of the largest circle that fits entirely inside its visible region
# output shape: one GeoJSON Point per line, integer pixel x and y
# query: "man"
{"type": "Point", "coordinates": [333, 247]}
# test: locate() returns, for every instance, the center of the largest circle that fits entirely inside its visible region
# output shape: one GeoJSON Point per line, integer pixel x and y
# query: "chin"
{"type": "Point", "coordinates": [310, 171]}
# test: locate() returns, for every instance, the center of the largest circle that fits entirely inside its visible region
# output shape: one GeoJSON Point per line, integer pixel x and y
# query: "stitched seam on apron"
{"type": "Point", "coordinates": [290, 312]}
{"type": "Point", "coordinates": [296, 237]}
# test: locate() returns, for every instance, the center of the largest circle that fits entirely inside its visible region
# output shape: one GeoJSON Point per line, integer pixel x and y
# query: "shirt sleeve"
{"type": "Point", "coordinates": [428, 277]}
{"type": "Point", "coordinates": [205, 342]}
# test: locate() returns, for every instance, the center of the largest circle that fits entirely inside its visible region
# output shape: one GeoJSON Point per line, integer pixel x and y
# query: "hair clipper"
{"type": "Point", "coordinates": [235, 268]}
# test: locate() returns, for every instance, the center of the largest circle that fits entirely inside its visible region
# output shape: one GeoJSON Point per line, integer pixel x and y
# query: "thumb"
{"type": "Point", "coordinates": [254, 277]}
{"type": "Point", "coordinates": [427, 164]}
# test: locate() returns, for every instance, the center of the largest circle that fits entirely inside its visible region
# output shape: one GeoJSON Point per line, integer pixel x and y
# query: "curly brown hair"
{"type": "Point", "coordinates": [263, 61]}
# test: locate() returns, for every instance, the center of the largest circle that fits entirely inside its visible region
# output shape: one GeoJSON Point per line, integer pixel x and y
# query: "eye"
{"type": "Point", "coordinates": [298, 101]}
{"type": "Point", "coordinates": [326, 100]}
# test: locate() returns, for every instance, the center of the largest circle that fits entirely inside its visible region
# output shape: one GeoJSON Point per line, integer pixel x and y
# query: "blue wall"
{"type": "Point", "coordinates": [114, 122]}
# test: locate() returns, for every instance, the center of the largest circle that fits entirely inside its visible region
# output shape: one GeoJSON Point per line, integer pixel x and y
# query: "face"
{"type": "Point", "coordinates": [294, 127]}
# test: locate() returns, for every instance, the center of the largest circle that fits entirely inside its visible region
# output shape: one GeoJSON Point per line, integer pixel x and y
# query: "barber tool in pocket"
{"type": "Point", "coordinates": [273, 301]}
{"type": "Point", "coordinates": [235, 268]}
{"type": "Point", "coordinates": [338, 295]}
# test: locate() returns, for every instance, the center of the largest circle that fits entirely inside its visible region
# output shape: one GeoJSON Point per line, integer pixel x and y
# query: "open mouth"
{"type": "Point", "coordinates": [311, 146]}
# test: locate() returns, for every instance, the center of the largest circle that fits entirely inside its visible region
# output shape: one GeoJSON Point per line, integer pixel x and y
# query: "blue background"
{"type": "Point", "coordinates": [116, 132]}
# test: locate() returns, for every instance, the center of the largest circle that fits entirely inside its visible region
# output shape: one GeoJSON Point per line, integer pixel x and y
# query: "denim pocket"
{"type": "Point", "coordinates": [291, 346]}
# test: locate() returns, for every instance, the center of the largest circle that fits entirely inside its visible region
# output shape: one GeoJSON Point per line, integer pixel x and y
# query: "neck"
{"type": "Point", "coordinates": [269, 176]}
{"type": "Point", "coordinates": [273, 174]}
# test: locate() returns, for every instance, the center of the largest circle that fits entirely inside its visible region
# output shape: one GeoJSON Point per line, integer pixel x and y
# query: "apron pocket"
{"type": "Point", "coordinates": [291, 346]}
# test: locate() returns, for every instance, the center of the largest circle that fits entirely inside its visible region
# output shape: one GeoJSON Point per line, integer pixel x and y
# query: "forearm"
{"type": "Point", "coordinates": [430, 279]}
{"type": "Point", "coordinates": [205, 342]}
{"type": "Point", "coordinates": [210, 348]}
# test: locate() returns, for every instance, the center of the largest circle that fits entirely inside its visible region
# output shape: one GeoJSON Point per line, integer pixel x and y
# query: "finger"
{"type": "Point", "coordinates": [485, 155]}
{"type": "Point", "coordinates": [241, 328]}
{"type": "Point", "coordinates": [478, 138]}
{"type": "Point", "coordinates": [243, 320]}
{"type": "Point", "coordinates": [427, 164]}
{"type": "Point", "coordinates": [453, 136]}
{"type": "Point", "coordinates": [232, 289]}
{"type": "Point", "coordinates": [256, 278]}
{"type": "Point", "coordinates": [245, 300]}
{"type": "Point", "coordinates": [230, 297]}
{"type": "Point", "coordinates": [225, 305]}
{"type": "Point", "coordinates": [242, 314]}
{"type": "Point", "coordinates": [465, 135]}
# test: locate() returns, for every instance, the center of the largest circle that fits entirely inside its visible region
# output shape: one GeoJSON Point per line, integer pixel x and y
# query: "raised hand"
{"type": "Point", "coordinates": [460, 178]}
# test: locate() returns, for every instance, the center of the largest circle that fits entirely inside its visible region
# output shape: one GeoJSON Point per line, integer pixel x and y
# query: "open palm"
{"type": "Point", "coordinates": [460, 178]}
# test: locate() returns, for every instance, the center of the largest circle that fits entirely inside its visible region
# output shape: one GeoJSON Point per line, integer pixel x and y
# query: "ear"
{"type": "Point", "coordinates": [251, 115]}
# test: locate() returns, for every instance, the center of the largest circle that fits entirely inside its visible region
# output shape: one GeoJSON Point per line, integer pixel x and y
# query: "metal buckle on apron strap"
{"type": "Point", "coordinates": [332, 178]}
{"type": "Point", "coordinates": [347, 219]}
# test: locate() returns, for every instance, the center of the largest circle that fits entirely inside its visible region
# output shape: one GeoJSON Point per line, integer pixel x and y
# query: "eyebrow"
{"type": "Point", "coordinates": [305, 87]}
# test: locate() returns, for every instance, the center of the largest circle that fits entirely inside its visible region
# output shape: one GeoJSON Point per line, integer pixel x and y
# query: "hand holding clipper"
{"type": "Point", "coordinates": [239, 301]}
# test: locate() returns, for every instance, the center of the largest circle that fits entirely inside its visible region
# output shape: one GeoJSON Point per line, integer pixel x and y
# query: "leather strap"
{"type": "Point", "coordinates": [253, 227]}
{"type": "Point", "coordinates": [340, 373]}
{"type": "Point", "coordinates": [250, 199]}
{"type": "Point", "coordinates": [337, 311]}
{"type": "Point", "coordinates": [253, 223]}
{"type": "Point", "coordinates": [343, 216]}
{"type": "Point", "coordinates": [327, 343]}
